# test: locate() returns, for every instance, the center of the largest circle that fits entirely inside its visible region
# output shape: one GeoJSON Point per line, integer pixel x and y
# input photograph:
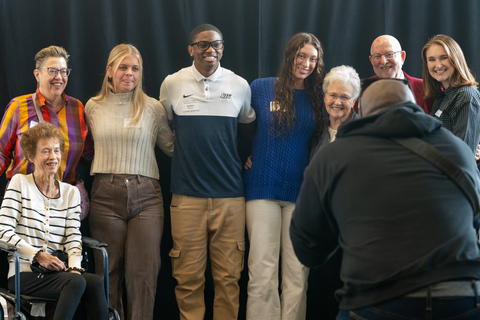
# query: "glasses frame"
{"type": "Point", "coordinates": [366, 82]}
{"type": "Point", "coordinates": [210, 44]}
{"type": "Point", "coordinates": [394, 55]}
{"type": "Point", "coordinates": [338, 96]}
{"type": "Point", "coordinates": [57, 71]}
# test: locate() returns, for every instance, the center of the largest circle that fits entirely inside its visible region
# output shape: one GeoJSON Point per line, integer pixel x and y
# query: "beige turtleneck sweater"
{"type": "Point", "coordinates": [127, 150]}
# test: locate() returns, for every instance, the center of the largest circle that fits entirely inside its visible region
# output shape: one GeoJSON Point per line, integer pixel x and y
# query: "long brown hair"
{"type": "Point", "coordinates": [460, 77]}
{"type": "Point", "coordinates": [284, 115]}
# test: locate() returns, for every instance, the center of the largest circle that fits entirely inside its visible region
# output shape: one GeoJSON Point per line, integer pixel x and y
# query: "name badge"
{"type": "Point", "coordinates": [33, 124]}
{"type": "Point", "coordinates": [191, 105]}
{"type": "Point", "coordinates": [126, 122]}
{"type": "Point", "coordinates": [438, 113]}
{"type": "Point", "coordinates": [275, 106]}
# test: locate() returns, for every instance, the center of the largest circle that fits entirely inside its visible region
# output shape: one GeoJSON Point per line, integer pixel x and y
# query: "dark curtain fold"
{"type": "Point", "coordinates": [255, 33]}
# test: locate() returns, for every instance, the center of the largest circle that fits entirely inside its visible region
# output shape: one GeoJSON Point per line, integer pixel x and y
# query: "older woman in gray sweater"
{"type": "Point", "coordinates": [126, 206]}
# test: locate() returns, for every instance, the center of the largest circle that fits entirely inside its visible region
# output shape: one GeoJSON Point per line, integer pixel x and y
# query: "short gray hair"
{"type": "Point", "coordinates": [345, 74]}
{"type": "Point", "coordinates": [50, 52]}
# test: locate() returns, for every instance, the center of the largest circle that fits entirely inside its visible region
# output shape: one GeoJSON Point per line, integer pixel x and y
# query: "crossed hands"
{"type": "Point", "coordinates": [50, 262]}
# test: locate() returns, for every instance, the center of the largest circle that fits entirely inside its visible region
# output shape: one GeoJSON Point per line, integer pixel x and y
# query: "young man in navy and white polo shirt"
{"type": "Point", "coordinates": [206, 102]}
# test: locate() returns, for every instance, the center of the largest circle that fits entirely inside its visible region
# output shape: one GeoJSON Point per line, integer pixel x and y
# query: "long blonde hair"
{"type": "Point", "coordinates": [138, 96]}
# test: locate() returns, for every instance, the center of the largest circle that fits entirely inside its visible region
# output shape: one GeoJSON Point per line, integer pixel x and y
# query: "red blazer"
{"type": "Point", "coordinates": [417, 86]}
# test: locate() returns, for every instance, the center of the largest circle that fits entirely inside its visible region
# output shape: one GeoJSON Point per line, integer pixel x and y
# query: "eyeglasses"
{"type": "Point", "coordinates": [53, 71]}
{"type": "Point", "coordinates": [204, 45]}
{"type": "Point", "coordinates": [334, 97]}
{"type": "Point", "coordinates": [388, 55]}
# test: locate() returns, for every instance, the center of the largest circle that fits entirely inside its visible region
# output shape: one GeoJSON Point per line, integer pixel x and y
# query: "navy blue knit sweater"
{"type": "Point", "coordinates": [278, 162]}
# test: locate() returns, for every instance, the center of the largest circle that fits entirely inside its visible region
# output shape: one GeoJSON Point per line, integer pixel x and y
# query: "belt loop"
{"type": "Point", "coordinates": [428, 307]}
{"type": "Point", "coordinates": [111, 177]}
{"type": "Point", "coordinates": [138, 178]}
{"type": "Point", "coordinates": [475, 292]}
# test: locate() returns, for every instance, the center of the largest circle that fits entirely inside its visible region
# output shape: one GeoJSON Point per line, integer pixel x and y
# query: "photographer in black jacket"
{"type": "Point", "coordinates": [407, 232]}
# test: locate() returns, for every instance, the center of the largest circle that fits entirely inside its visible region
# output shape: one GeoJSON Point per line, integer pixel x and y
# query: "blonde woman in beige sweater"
{"type": "Point", "coordinates": [126, 209]}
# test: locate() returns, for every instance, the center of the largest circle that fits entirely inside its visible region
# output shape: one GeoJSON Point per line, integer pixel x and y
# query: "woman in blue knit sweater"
{"type": "Point", "coordinates": [289, 109]}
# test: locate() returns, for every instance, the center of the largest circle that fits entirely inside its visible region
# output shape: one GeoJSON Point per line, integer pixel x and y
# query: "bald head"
{"type": "Point", "coordinates": [382, 94]}
{"type": "Point", "coordinates": [383, 67]}
{"type": "Point", "coordinates": [385, 40]}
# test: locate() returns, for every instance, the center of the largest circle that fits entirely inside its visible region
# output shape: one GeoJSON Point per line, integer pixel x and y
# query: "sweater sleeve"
{"type": "Point", "coordinates": [88, 113]}
{"type": "Point", "coordinates": [164, 134]}
{"type": "Point", "coordinates": [87, 153]}
{"type": "Point", "coordinates": [10, 214]}
{"type": "Point", "coordinates": [73, 236]}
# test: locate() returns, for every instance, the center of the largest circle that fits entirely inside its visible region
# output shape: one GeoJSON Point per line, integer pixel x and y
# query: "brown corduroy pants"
{"type": "Point", "coordinates": [127, 214]}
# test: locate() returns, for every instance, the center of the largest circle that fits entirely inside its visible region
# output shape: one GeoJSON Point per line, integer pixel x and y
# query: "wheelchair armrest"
{"type": "Point", "coordinates": [5, 246]}
{"type": "Point", "coordinates": [93, 243]}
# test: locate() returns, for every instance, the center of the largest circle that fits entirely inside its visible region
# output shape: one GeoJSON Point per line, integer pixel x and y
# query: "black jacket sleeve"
{"type": "Point", "coordinates": [313, 230]}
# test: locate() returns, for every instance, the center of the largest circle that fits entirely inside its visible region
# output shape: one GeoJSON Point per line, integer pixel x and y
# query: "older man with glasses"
{"type": "Point", "coordinates": [387, 58]}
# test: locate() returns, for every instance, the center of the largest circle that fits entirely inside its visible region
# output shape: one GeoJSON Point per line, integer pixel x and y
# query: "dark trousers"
{"type": "Point", "coordinates": [68, 288]}
{"type": "Point", "coordinates": [461, 308]}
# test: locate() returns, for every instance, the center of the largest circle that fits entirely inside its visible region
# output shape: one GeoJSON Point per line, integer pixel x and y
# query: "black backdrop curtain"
{"type": "Point", "coordinates": [255, 33]}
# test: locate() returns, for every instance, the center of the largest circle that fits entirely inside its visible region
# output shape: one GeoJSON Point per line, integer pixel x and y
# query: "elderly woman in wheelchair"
{"type": "Point", "coordinates": [40, 216]}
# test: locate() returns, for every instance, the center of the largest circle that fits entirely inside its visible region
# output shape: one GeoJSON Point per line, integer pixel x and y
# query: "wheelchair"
{"type": "Point", "coordinates": [15, 299]}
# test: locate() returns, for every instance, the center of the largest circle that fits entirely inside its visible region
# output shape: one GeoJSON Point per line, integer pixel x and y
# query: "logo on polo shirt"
{"type": "Point", "coordinates": [186, 96]}
{"type": "Point", "coordinates": [225, 95]}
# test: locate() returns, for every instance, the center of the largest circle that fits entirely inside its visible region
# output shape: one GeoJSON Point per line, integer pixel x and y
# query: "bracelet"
{"type": "Point", "coordinates": [81, 270]}
{"type": "Point", "coordinates": [36, 255]}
